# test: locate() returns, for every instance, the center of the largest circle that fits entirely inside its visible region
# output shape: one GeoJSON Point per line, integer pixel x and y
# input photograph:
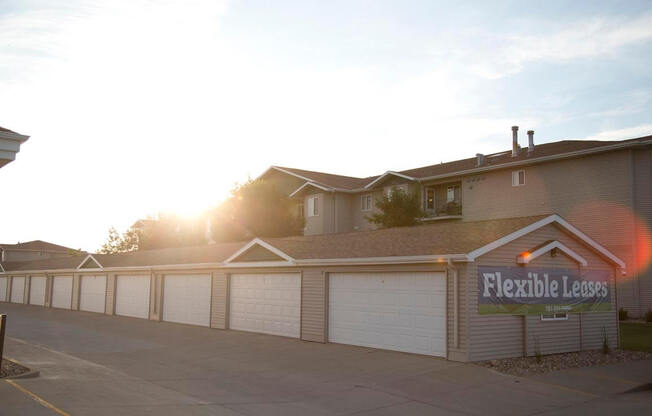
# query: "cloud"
{"type": "Point", "coordinates": [585, 39]}
{"type": "Point", "coordinates": [623, 134]}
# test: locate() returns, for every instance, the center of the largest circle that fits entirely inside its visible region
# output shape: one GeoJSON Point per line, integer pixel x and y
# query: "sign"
{"type": "Point", "coordinates": [533, 291]}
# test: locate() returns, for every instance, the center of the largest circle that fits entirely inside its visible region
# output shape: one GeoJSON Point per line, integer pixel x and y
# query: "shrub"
{"type": "Point", "coordinates": [605, 341]}
{"type": "Point", "coordinates": [648, 315]}
{"type": "Point", "coordinates": [622, 314]}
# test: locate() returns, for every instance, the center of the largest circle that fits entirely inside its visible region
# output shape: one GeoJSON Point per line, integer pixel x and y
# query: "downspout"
{"type": "Point", "coordinates": [456, 303]}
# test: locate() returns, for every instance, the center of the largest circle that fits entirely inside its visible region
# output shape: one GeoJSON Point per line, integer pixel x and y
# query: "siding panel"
{"type": "Point", "coordinates": [314, 305]}
{"type": "Point", "coordinates": [219, 301]}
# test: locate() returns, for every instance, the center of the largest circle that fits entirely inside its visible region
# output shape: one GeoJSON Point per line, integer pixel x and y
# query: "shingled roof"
{"type": "Point", "coordinates": [541, 152]}
{"type": "Point", "coordinates": [422, 240]}
{"type": "Point", "coordinates": [36, 245]}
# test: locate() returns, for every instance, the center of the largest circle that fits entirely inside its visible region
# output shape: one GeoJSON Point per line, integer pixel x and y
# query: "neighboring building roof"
{"type": "Point", "coordinates": [328, 179]}
{"type": "Point", "coordinates": [215, 253]}
{"type": "Point", "coordinates": [35, 245]}
{"type": "Point", "coordinates": [541, 152]}
{"type": "Point", "coordinates": [7, 130]}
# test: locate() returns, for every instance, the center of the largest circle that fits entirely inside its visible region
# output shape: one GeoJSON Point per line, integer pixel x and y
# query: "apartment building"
{"type": "Point", "coordinates": [602, 187]}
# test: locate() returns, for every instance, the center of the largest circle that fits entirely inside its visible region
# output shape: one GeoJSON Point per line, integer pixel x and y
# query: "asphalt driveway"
{"type": "Point", "coordinates": [107, 365]}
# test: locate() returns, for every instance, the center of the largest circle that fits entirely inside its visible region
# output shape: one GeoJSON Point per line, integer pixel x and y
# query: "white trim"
{"type": "Point", "coordinates": [254, 264]}
{"type": "Point", "coordinates": [89, 257]}
{"type": "Point", "coordinates": [541, 223]}
{"type": "Point", "coordinates": [362, 204]}
{"type": "Point", "coordinates": [313, 206]}
{"type": "Point", "coordinates": [323, 188]}
{"type": "Point", "coordinates": [516, 178]}
{"type": "Point", "coordinates": [389, 172]}
{"type": "Point", "coordinates": [431, 258]}
{"type": "Point", "coordinates": [2, 269]}
{"type": "Point", "coordinates": [258, 241]}
{"type": "Point", "coordinates": [525, 259]}
{"type": "Point", "coordinates": [554, 318]}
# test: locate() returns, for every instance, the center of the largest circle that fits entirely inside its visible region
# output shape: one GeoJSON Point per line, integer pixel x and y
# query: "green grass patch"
{"type": "Point", "coordinates": [636, 336]}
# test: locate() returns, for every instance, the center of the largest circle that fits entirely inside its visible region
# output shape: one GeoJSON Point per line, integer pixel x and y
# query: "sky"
{"type": "Point", "coordinates": [136, 107]}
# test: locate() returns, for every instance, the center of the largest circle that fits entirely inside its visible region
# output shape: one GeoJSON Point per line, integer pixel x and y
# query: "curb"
{"type": "Point", "coordinates": [29, 374]}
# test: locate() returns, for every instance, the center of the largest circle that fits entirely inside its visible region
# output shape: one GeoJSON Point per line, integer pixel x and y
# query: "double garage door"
{"type": "Point", "coordinates": [393, 311]}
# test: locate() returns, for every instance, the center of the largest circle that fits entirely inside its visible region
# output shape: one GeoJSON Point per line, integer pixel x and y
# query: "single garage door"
{"type": "Point", "coordinates": [18, 290]}
{"type": "Point", "coordinates": [187, 299]}
{"type": "Point", "coordinates": [3, 289]}
{"type": "Point", "coordinates": [132, 296]}
{"type": "Point", "coordinates": [393, 311]}
{"type": "Point", "coordinates": [266, 303]}
{"type": "Point", "coordinates": [93, 294]}
{"type": "Point", "coordinates": [37, 290]}
{"type": "Point", "coordinates": [62, 292]}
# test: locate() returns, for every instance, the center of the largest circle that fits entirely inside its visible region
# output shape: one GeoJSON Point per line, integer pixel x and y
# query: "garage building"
{"type": "Point", "coordinates": [465, 291]}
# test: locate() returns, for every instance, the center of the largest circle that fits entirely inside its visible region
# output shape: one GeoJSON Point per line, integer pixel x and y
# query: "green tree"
{"type": "Point", "coordinates": [402, 209]}
{"type": "Point", "coordinates": [116, 243]}
{"type": "Point", "coordinates": [256, 208]}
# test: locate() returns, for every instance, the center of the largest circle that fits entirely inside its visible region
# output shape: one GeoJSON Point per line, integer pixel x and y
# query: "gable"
{"type": "Point", "coordinates": [257, 253]}
{"type": "Point", "coordinates": [90, 263]}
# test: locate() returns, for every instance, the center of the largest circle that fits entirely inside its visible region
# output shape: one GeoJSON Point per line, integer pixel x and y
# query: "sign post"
{"type": "Point", "coordinates": [3, 324]}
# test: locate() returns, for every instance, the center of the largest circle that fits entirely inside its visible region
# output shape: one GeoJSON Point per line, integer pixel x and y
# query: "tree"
{"type": "Point", "coordinates": [116, 243]}
{"type": "Point", "coordinates": [256, 208]}
{"type": "Point", "coordinates": [399, 210]}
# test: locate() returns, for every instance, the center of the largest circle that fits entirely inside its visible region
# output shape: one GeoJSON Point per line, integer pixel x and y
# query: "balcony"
{"type": "Point", "coordinates": [443, 202]}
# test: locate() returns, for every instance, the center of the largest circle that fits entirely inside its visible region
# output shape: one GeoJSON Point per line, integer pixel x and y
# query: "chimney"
{"type": "Point", "coordinates": [530, 141]}
{"type": "Point", "coordinates": [514, 141]}
{"type": "Point", "coordinates": [480, 157]}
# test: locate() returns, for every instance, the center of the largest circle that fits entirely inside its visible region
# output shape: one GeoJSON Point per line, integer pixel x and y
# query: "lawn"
{"type": "Point", "coordinates": [634, 336]}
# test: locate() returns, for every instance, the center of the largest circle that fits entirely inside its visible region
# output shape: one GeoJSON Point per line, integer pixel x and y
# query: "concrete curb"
{"type": "Point", "coordinates": [29, 374]}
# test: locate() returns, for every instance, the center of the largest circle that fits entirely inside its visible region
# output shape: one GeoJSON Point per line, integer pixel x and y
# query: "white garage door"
{"type": "Point", "coordinates": [187, 299]}
{"type": "Point", "coordinates": [393, 311]}
{"type": "Point", "coordinates": [37, 290]}
{"type": "Point", "coordinates": [132, 296]}
{"type": "Point", "coordinates": [3, 289]}
{"type": "Point", "coordinates": [266, 303]}
{"type": "Point", "coordinates": [62, 292]}
{"type": "Point", "coordinates": [18, 289]}
{"type": "Point", "coordinates": [93, 294]}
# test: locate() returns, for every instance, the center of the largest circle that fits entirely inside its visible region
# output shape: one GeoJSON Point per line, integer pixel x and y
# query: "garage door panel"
{"type": "Point", "coordinates": [266, 303]}
{"type": "Point", "coordinates": [3, 289]}
{"type": "Point", "coordinates": [397, 311]}
{"type": "Point", "coordinates": [187, 299]}
{"type": "Point", "coordinates": [37, 290]}
{"type": "Point", "coordinates": [18, 289]}
{"type": "Point", "coordinates": [93, 294]}
{"type": "Point", "coordinates": [132, 296]}
{"type": "Point", "coordinates": [62, 292]}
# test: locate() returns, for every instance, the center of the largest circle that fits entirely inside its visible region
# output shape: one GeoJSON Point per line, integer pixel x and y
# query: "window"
{"type": "Point", "coordinates": [518, 178]}
{"type": "Point", "coordinates": [430, 199]}
{"type": "Point", "coordinates": [313, 206]}
{"type": "Point", "coordinates": [391, 189]}
{"type": "Point", "coordinates": [300, 209]}
{"type": "Point", "coordinates": [554, 317]}
{"type": "Point", "coordinates": [366, 203]}
{"type": "Point", "coordinates": [450, 194]}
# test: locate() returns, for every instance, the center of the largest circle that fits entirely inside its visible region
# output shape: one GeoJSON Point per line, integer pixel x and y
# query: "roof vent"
{"type": "Point", "coordinates": [530, 141]}
{"type": "Point", "coordinates": [514, 141]}
{"type": "Point", "coordinates": [480, 157]}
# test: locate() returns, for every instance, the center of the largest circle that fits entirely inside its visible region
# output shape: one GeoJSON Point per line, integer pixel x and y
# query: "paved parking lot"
{"type": "Point", "coordinates": [107, 365]}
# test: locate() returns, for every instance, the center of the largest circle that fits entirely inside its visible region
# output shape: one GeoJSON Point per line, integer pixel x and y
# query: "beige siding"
{"type": "Point", "coordinates": [109, 308]}
{"type": "Point", "coordinates": [343, 217]}
{"type": "Point", "coordinates": [316, 224]}
{"type": "Point", "coordinates": [642, 167]}
{"type": "Point", "coordinates": [591, 192]}
{"type": "Point", "coordinates": [156, 297]}
{"type": "Point", "coordinates": [594, 328]}
{"type": "Point", "coordinates": [258, 253]}
{"type": "Point", "coordinates": [219, 300]}
{"type": "Point", "coordinates": [314, 305]}
{"type": "Point", "coordinates": [76, 287]}
{"type": "Point", "coordinates": [498, 336]}
{"type": "Point", "coordinates": [359, 221]}
{"type": "Point", "coordinates": [459, 352]}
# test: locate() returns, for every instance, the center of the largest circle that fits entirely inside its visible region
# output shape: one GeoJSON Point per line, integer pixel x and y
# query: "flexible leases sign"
{"type": "Point", "coordinates": [524, 290]}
